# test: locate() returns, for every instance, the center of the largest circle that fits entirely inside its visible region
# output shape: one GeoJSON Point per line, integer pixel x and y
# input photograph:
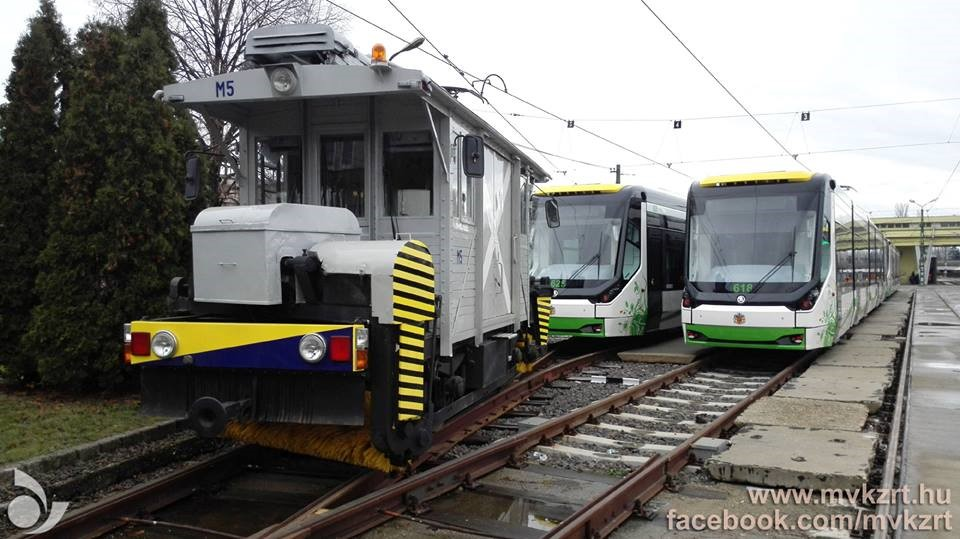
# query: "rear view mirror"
{"type": "Point", "coordinates": [191, 183]}
{"type": "Point", "coordinates": [473, 156]}
{"type": "Point", "coordinates": [552, 209]}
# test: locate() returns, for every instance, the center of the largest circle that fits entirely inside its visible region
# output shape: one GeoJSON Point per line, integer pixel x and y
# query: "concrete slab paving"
{"type": "Point", "coordinates": [876, 329]}
{"type": "Point", "coordinates": [865, 385]}
{"type": "Point", "coordinates": [931, 454]}
{"type": "Point", "coordinates": [858, 358]}
{"type": "Point", "coordinates": [672, 351]}
{"type": "Point", "coordinates": [866, 340]}
{"type": "Point", "coordinates": [805, 413]}
{"type": "Point", "coordinates": [777, 456]}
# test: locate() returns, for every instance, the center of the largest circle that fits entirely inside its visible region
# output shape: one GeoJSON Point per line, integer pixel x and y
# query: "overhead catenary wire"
{"type": "Point", "coordinates": [725, 89]}
{"type": "Point", "coordinates": [811, 152]}
{"type": "Point", "coordinates": [571, 159]}
{"type": "Point", "coordinates": [464, 73]}
{"type": "Point", "coordinates": [758, 114]}
{"type": "Point", "coordinates": [447, 60]}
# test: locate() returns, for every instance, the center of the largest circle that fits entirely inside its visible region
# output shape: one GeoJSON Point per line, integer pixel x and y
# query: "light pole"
{"type": "Point", "coordinates": [923, 258]}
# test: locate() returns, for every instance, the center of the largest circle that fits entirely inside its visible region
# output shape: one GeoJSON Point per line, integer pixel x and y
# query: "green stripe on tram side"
{"type": "Point", "coordinates": [744, 337]}
{"type": "Point", "coordinates": [570, 326]}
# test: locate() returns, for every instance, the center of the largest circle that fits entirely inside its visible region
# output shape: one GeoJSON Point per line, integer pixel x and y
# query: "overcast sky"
{"type": "Point", "coordinates": [606, 65]}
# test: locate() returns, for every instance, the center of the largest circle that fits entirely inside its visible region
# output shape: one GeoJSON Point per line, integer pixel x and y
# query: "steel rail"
{"type": "Point", "coordinates": [894, 451]}
{"type": "Point", "coordinates": [601, 516]}
{"type": "Point", "coordinates": [452, 433]}
{"type": "Point", "coordinates": [371, 510]}
{"type": "Point", "coordinates": [107, 514]}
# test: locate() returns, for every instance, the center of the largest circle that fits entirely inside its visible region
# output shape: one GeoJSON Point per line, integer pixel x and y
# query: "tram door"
{"type": "Point", "coordinates": [655, 237]}
{"type": "Point", "coordinates": [665, 252]}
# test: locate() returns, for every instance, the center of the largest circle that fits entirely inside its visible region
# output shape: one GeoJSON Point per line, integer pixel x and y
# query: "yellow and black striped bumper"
{"type": "Point", "coordinates": [543, 319]}
{"type": "Point", "coordinates": [414, 307]}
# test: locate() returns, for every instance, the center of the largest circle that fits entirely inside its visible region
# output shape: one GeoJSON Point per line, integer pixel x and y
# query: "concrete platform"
{"type": "Point", "coordinates": [876, 329]}
{"type": "Point", "coordinates": [805, 413]}
{"type": "Point", "coordinates": [878, 357]}
{"type": "Point", "coordinates": [931, 455]}
{"type": "Point", "coordinates": [776, 456]}
{"type": "Point", "coordinates": [868, 341]}
{"type": "Point", "coordinates": [672, 351]}
{"type": "Point", "coordinates": [865, 385]}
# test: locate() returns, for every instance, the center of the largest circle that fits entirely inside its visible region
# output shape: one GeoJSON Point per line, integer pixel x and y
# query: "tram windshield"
{"type": "Point", "coordinates": [752, 239]}
{"type": "Point", "coordinates": [582, 252]}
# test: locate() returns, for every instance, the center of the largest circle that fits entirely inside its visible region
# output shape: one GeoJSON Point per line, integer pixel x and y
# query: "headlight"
{"type": "Point", "coordinates": [312, 347]}
{"type": "Point", "coordinates": [163, 344]}
{"type": "Point", "coordinates": [363, 338]}
{"type": "Point", "coordinates": [284, 80]}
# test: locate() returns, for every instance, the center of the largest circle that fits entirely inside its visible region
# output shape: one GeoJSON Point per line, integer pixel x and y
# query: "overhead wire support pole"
{"type": "Point", "coordinates": [725, 89]}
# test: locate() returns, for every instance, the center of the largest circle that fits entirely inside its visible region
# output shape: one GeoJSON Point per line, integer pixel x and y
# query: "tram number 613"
{"type": "Point", "coordinates": [742, 288]}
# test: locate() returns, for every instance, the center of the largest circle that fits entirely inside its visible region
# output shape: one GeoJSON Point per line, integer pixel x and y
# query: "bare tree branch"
{"type": "Point", "coordinates": [209, 37]}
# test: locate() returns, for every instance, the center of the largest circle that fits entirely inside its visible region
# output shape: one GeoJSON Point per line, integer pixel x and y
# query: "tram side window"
{"type": "Point", "coordinates": [673, 260]}
{"type": "Point", "coordinates": [631, 250]}
{"type": "Point", "coordinates": [674, 253]}
{"type": "Point", "coordinates": [843, 235]}
{"type": "Point", "coordinates": [860, 245]}
{"type": "Point", "coordinates": [408, 173]}
{"type": "Point", "coordinates": [342, 173]}
{"type": "Point", "coordinates": [279, 170]}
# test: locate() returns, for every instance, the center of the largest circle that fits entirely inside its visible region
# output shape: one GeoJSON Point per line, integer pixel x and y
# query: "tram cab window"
{"type": "Point", "coordinates": [408, 173]}
{"type": "Point", "coordinates": [279, 170]}
{"type": "Point", "coordinates": [631, 250]}
{"type": "Point", "coordinates": [342, 173]}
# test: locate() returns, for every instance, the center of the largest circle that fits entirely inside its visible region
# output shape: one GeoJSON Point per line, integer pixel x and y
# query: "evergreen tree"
{"type": "Point", "coordinates": [119, 231]}
{"type": "Point", "coordinates": [35, 95]}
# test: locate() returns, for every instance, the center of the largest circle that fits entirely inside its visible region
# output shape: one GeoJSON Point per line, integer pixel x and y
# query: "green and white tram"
{"type": "Point", "coordinates": [780, 260]}
{"type": "Point", "coordinates": [615, 262]}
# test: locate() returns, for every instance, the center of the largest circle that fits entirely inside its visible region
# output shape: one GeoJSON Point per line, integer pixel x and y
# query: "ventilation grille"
{"type": "Point", "coordinates": [303, 43]}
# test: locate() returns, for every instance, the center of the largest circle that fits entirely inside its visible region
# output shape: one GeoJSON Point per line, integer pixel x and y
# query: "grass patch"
{"type": "Point", "coordinates": [35, 423]}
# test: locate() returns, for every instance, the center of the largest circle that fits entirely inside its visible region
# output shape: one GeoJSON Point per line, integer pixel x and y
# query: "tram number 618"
{"type": "Point", "coordinates": [742, 288]}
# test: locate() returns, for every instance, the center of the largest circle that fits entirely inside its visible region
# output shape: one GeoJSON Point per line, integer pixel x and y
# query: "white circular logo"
{"type": "Point", "coordinates": [741, 300]}
{"type": "Point", "coordinates": [556, 292]}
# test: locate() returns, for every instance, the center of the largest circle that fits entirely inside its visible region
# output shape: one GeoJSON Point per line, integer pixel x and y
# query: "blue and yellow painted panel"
{"type": "Point", "coordinates": [238, 345]}
{"type": "Point", "coordinates": [414, 306]}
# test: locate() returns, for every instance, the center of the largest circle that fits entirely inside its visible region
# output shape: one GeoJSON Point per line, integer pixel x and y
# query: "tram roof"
{"type": "Point", "coordinates": [583, 189]}
{"type": "Point", "coordinates": [757, 178]}
{"type": "Point", "coordinates": [650, 195]}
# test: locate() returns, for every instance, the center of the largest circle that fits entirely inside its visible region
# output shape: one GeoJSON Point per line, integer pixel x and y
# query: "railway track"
{"type": "Point", "coordinates": [715, 397]}
{"type": "Point", "coordinates": [138, 508]}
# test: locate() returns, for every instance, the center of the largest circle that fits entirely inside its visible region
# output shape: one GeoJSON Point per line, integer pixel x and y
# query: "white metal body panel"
{"type": "Point", "coordinates": [237, 250]}
{"type": "Point", "coordinates": [758, 316]}
{"type": "Point", "coordinates": [572, 308]}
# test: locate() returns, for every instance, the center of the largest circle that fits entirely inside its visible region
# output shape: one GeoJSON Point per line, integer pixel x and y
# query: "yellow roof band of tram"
{"type": "Point", "coordinates": [756, 177]}
{"type": "Point", "coordinates": [585, 189]}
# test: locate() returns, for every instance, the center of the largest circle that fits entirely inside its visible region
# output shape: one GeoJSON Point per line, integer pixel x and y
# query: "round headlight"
{"type": "Point", "coordinates": [283, 79]}
{"type": "Point", "coordinates": [312, 347]}
{"type": "Point", "coordinates": [163, 344]}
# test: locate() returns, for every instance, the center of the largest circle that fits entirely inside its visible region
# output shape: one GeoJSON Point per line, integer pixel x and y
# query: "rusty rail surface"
{"type": "Point", "coordinates": [897, 427]}
{"type": "Point", "coordinates": [373, 509]}
{"type": "Point", "coordinates": [107, 514]}
{"type": "Point", "coordinates": [601, 516]}
{"type": "Point", "coordinates": [450, 434]}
